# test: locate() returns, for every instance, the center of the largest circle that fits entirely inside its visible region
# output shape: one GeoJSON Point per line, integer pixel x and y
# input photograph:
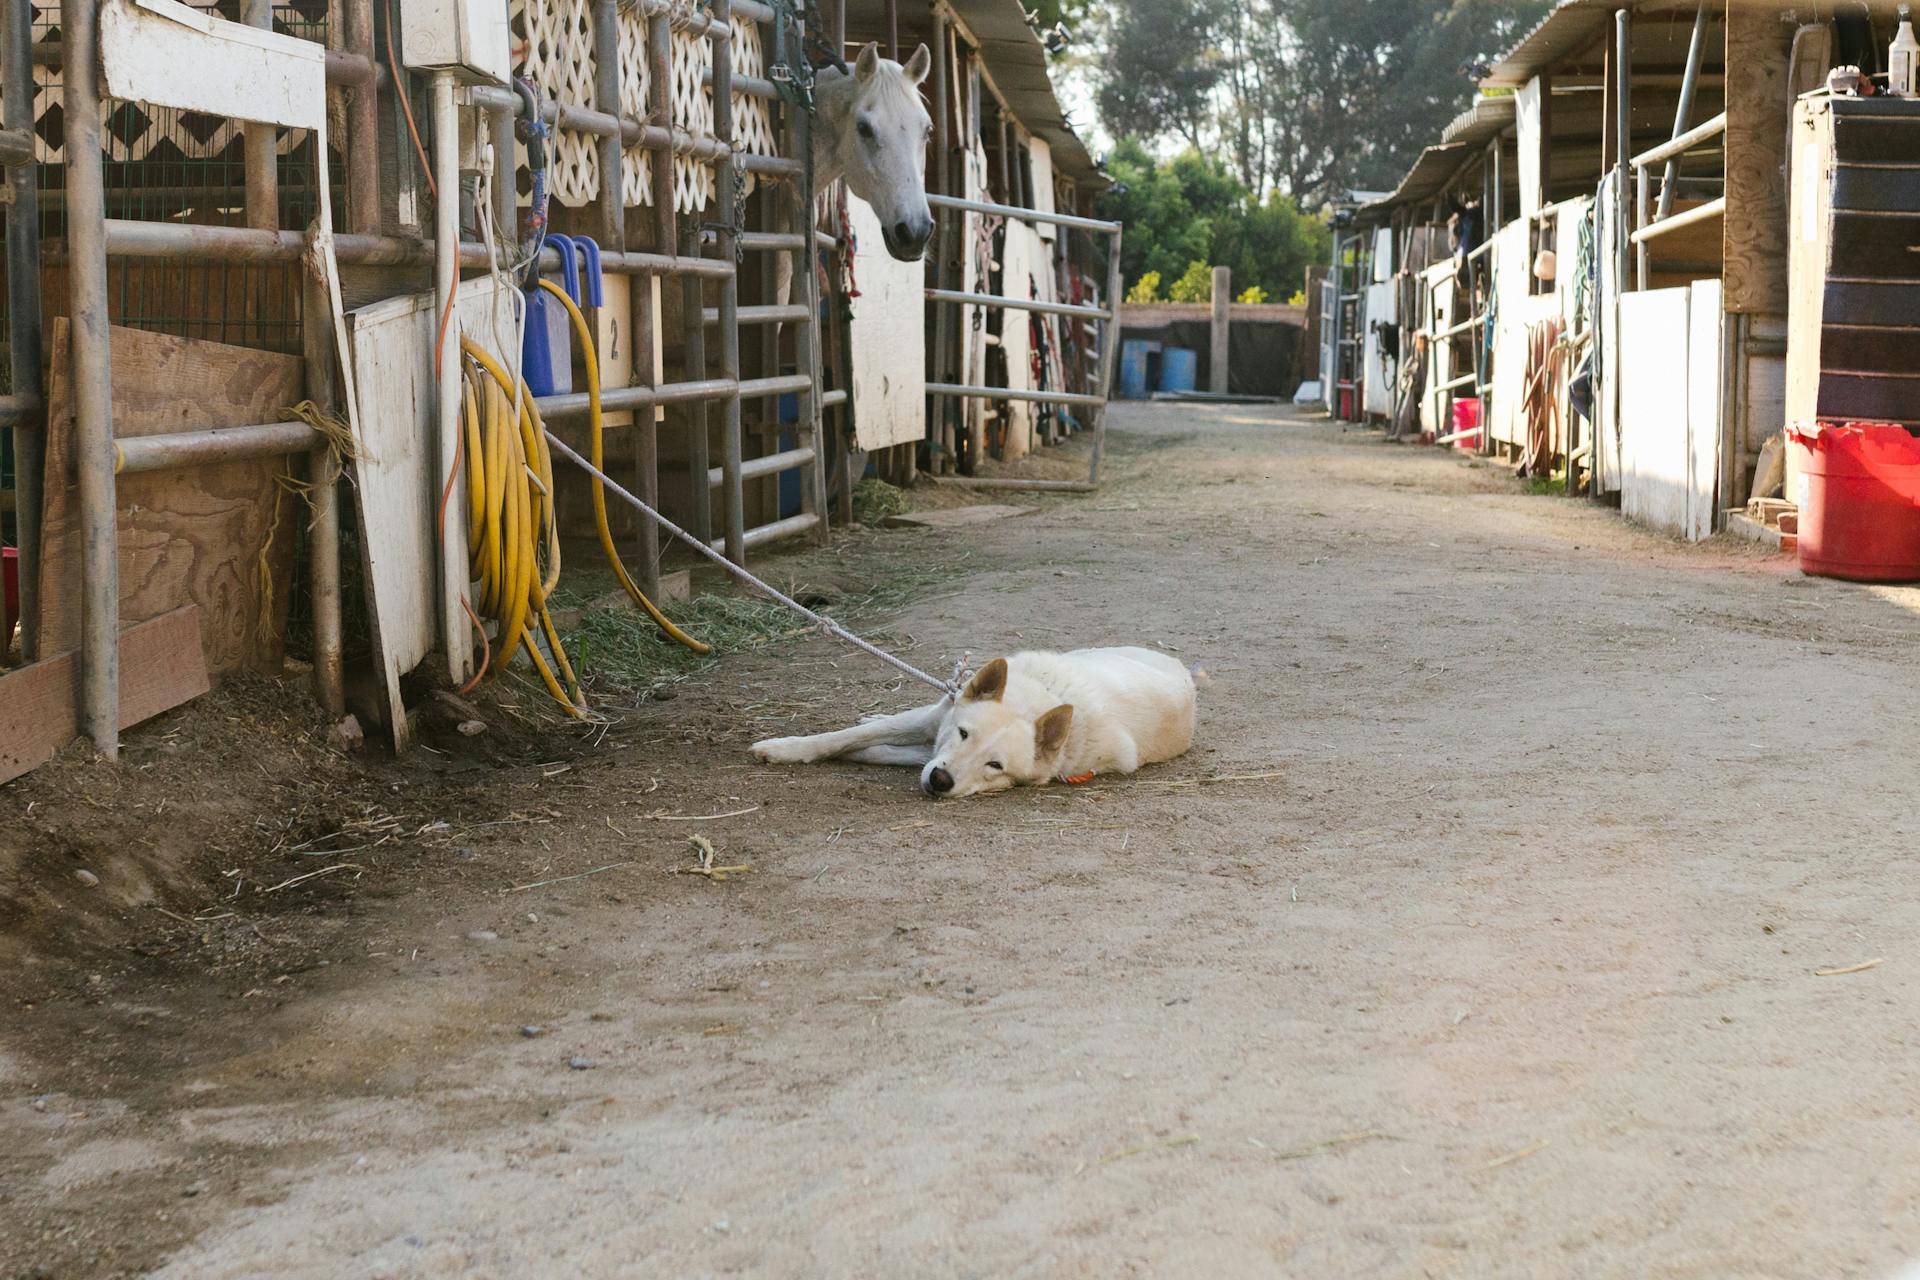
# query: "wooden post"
{"type": "Point", "coordinates": [1222, 301]}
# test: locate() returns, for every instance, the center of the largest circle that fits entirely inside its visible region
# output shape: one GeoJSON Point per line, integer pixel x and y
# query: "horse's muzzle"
{"type": "Point", "coordinates": [907, 239]}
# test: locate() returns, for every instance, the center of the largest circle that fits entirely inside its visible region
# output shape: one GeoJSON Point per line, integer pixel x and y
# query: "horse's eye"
{"type": "Point", "coordinates": [963, 735]}
{"type": "Point", "coordinates": [994, 764]}
{"type": "Point", "coordinates": [866, 131]}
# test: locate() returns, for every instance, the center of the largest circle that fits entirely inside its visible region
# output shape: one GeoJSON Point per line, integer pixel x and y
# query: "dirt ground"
{"type": "Point", "coordinates": [1483, 934]}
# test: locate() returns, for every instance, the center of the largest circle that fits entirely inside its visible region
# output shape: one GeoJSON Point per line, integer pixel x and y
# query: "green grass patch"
{"type": "Point", "coordinates": [874, 500]}
{"type": "Point", "coordinates": [1553, 484]}
{"type": "Point", "coordinates": [619, 650]}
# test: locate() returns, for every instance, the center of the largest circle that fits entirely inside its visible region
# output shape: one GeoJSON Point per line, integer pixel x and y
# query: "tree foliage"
{"type": "Point", "coordinates": [1193, 212]}
{"type": "Point", "coordinates": [1313, 96]}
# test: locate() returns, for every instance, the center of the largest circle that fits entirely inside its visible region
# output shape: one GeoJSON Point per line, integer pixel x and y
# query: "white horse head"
{"type": "Point", "coordinates": [873, 132]}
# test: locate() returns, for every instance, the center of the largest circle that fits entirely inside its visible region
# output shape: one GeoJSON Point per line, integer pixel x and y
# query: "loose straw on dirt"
{"type": "Point", "coordinates": [826, 624]}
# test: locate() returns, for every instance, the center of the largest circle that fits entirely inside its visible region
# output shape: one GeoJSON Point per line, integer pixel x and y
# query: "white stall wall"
{"type": "Point", "coordinates": [1607, 340]}
{"type": "Point", "coordinates": [888, 337]}
{"type": "Point", "coordinates": [1670, 379]}
{"type": "Point", "coordinates": [1383, 307]}
{"type": "Point", "coordinates": [1443, 297]}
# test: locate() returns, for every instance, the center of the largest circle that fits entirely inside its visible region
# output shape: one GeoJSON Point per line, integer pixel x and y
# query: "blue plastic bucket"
{"type": "Point", "coordinates": [1178, 368]}
{"type": "Point", "coordinates": [1133, 369]}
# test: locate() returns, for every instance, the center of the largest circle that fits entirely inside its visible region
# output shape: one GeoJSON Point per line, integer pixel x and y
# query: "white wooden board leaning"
{"type": "Point", "coordinates": [888, 339]}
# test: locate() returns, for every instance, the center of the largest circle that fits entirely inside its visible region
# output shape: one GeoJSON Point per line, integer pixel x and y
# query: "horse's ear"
{"type": "Point", "coordinates": [868, 63]}
{"type": "Point", "coordinates": [918, 65]}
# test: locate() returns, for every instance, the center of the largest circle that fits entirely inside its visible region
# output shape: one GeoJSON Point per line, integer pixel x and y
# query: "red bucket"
{"type": "Point", "coordinates": [1466, 424]}
{"type": "Point", "coordinates": [1859, 500]}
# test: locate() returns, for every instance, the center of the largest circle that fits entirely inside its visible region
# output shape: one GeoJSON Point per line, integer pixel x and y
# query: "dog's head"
{"type": "Point", "coordinates": [985, 745]}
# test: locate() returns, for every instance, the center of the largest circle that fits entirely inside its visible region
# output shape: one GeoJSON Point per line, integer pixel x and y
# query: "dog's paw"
{"type": "Point", "coordinates": [783, 751]}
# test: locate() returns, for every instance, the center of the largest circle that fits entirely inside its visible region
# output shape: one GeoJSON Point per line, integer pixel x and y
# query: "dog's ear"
{"type": "Point", "coordinates": [988, 683]}
{"type": "Point", "coordinates": [1050, 730]}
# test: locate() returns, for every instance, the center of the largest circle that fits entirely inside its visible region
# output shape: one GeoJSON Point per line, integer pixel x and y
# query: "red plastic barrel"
{"type": "Point", "coordinates": [1859, 501]}
{"type": "Point", "coordinates": [1466, 424]}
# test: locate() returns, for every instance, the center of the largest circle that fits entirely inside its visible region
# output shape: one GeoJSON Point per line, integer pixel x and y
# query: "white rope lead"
{"type": "Point", "coordinates": [951, 688]}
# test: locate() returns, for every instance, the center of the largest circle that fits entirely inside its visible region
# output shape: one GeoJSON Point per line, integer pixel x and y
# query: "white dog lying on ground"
{"type": "Point", "coordinates": [1025, 721]}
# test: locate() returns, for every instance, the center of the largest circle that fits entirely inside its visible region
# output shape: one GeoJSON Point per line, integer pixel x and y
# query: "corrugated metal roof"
{"type": "Point", "coordinates": [1486, 118]}
{"type": "Point", "coordinates": [1569, 28]}
{"type": "Point", "coordinates": [1017, 61]}
{"type": "Point", "coordinates": [1431, 172]}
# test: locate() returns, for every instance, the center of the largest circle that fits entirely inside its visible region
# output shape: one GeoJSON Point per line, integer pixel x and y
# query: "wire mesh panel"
{"type": "Point", "coordinates": [163, 165]}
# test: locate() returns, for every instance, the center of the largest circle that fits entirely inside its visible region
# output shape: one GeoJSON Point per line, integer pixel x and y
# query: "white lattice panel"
{"type": "Point", "coordinates": [636, 77]}
{"type": "Point", "coordinates": [559, 59]}
{"type": "Point", "coordinates": [558, 36]}
{"type": "Point", "coordinates": [752, 122]}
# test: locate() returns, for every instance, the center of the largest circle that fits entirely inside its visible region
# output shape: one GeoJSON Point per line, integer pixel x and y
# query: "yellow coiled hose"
{"type": "Point", "coordinates": [513, 538]}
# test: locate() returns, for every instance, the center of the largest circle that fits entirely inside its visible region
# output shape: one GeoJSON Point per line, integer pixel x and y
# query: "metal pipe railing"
{"type": "Point", "coordinates": [734, 501]}
{"type": "Point", "coordinates": [771, 464]}
{"type": "Point", "coordinates": [1020, 304]}
{"type": "Point", "coordinates": [190, 242]}
{"type": "Point", "coordinates": [323, 500]}
{"type": "Point", "coordinates": [1024, 215]}
{"type": "Point", "coordinates": [793, 313]}
{"type": "Point", "coordinates": [23, 309]}
{"type": "Point", "coordinates": [91, 371]}
{"type": "Point", "coordinates": [760, 535]}
{"type": "Point", "coordinates": [1684, 143]}
{"type": "Point", "coordinates": [363, 125]}
{"type": "Point", "coordinates": [579, 404]}
{"type": "Point", "coordinates": [220, 444]}
{"type": "Point", "coordinates": [965, 390]}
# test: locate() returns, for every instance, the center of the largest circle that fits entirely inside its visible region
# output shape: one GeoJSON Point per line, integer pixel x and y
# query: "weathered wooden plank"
{"type": "Point", "coordinates": [217, 536]}
{"type": "Point", "coordinates": [888, 339]}
{"type": "Point", "coordinates": [1759, 104]}
{"type": "Point", "coordinates": [398, 481]}
{"type": "Point", "coordinates": [162, 665]}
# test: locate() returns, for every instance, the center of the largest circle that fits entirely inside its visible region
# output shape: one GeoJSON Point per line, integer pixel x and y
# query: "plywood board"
{"type": "Point", "coordinates": [218, 536]}
{"type": "Point", "coordinates": [889, 339]}
{"type": "Point", "coordinates": [397, 476]}
{"type": "Point", "coordinates": [1656, 465]}
{"type": "Point", "coordinates": [161, 666]}
{"type": "Point", "coordinates": [1759, 107]}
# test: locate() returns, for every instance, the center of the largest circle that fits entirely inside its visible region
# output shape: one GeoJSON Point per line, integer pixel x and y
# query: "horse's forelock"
{"type": "Point", "coordinates": [890, 88]}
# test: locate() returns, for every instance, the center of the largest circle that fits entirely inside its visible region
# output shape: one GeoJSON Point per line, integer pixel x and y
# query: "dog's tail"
{"type": "Point", "coordinates": [1199, 674]}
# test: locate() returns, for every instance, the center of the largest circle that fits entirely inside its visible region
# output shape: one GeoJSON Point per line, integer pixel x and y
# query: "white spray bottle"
{"type": "Point", "coordinates": [1902, 55]}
